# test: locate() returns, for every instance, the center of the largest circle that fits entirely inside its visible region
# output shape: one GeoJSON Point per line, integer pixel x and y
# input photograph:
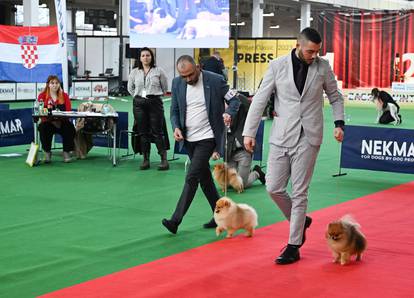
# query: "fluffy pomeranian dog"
{"type": "Point", "coordinates": [345, 240]}
{"type": "Point", "coordinates": [231, 217]}
{"type": "Point", "coordinates": [233, 178]}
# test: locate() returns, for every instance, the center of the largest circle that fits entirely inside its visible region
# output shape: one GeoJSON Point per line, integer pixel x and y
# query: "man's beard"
{"type": "Point", "coordinates": [302, 58]}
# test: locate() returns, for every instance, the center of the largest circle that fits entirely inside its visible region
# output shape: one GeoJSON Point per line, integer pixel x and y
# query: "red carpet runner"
{"type": "Point", "coordinates": [243, 267]}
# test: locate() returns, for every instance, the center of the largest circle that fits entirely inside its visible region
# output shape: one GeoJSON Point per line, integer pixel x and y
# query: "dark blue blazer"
{"type": "Point", "coordinates": [215, 88]}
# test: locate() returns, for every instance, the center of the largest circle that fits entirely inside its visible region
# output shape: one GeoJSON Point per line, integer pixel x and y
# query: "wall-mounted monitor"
{"type": "Point", "coordinates": [179, 24]}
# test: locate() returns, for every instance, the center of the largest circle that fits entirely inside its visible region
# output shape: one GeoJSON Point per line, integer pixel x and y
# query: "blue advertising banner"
{"type": "Point", "coordinates": [258, 149]}
{"type": "Point", "coordinates": [16, 127]}
{"type": "Point", "coordinates": [378, 149]}
{"type": "Point", "coordinates": [122, 124]}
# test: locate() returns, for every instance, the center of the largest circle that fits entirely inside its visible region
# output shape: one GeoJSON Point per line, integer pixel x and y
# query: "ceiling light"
{"type": "Point", "coordinates": [310, 19]}
{"type": "Point", "coordinates": [271, 14]}
{"type": "Point", "coordinates": [274, 27]}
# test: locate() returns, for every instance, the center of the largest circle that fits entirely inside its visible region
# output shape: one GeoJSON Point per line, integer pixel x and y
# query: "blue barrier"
{"type": "Point", "coordinates": [4, 106]}
{"type": "Point", "coordinates": [100, 140]}
{"type": "Point", "coordinates": [258, 150]}
{"type": "Point", "coordinates": [16, 127]}
{"type": "Point", "coordinates": [378, 149]}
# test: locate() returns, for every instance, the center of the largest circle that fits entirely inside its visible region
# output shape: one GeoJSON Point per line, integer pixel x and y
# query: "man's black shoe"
{"type": "Point", "coordinates": [308, 222]}
{"type": "Point", "coordinates": [170, 225]}
{"type": "Point", "coordinates": [289, 255]}
{"type": "Point", "coordinates": [211, 224]}
{"type": "Point", "coordinates": [262, 175]}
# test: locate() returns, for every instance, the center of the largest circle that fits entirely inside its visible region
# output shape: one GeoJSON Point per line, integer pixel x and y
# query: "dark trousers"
{"type": "Point", "coordinates": [66, 130]}
{"type": "Point", "coordinates": [386, 118]}
{"type": "Point", "coordinates": [149, 116]}
{"type": "Point", "coordinates": [198, 173]}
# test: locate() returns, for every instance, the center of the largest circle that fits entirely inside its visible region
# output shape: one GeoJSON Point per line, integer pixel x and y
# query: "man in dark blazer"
{"type": "Point", "coordinates": [198, 118]}
{"type": "Point", "coordinates": [214, 64]}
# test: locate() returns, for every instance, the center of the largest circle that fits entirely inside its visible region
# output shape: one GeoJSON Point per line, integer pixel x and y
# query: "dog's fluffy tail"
{"type": "Point", "coordinates": [349, 219]}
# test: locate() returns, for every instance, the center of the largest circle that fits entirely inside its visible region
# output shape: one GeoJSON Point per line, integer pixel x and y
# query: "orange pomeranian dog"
{"type": "Point", "coordinates": [231, 217]}
{"type": "Point", "coordinates": [233, 178]}
{"type": "Point", "coordinates": [345, 240]}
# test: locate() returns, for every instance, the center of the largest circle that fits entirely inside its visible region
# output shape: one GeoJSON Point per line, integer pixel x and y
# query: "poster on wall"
{"type": "Point", "coordinates": [369, 49]}
{"type": "Point", "coordinates": [179, 24]}
{"type": "Point", "coordinates": [254, 56]}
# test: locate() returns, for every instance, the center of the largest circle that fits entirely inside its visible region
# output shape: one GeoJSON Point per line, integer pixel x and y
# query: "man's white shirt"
{"type": "Point", "coordinates": [197, 124]}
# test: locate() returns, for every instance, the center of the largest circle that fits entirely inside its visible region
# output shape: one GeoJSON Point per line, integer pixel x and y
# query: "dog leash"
{"type": "Point", "coordinates": [227, 128]}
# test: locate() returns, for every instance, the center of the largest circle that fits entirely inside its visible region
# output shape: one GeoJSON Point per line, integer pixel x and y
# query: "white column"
{"type": "Point", "coordinates": [30, 12]}
{"type": "Point", "coordinates": [257, 25]}
{"type": "Point", "coordinates": [305, 13]}
{"type": "Point", "coordinates": [125, 17]}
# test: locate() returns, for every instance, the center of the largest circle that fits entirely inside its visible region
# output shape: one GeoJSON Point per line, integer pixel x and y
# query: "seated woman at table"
{"type": "Point", "coordinates": [54, 98]}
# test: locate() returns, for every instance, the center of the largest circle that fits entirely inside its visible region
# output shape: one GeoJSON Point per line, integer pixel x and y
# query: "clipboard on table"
{"type": "Point", "coordinates": [32, 156]}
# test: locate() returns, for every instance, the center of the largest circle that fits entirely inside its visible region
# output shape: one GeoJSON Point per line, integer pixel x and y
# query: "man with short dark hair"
{"type": "Point", "coordinates": [198, 119]}
{"type": "Point", "coordinates": [214, 64]}
{"type": "Point", "coordinates": [298, 80]}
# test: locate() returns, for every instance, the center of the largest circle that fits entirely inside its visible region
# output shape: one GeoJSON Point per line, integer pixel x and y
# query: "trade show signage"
{"type": "Point", "coordinates": [16, 127]}
{"type": "Point", "coordinates": [7, 91]}
{"type": "Point", "coordinates": [20, 91]}
{"type": "Point", "coordinates": [26, 91]}
{"type": "Point", "coordinates": [378, 149]}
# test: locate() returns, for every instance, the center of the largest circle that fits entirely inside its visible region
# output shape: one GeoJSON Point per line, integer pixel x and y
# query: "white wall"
{"type": "Point", "coordinates": [98, 53]}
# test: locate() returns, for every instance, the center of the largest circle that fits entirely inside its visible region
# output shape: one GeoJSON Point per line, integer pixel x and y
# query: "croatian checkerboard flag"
{"type": "Point", "coordinates": [29, 54]}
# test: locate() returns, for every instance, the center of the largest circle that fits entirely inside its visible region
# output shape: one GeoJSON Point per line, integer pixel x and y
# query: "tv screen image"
{"type": "Point", "coordinates": [179, 23]}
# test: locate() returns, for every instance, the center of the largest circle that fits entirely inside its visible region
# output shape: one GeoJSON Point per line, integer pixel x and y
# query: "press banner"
{"type": "Point", "coordinates": [253, 58]}
{"type": "Point", "coordinates": [16, 127]}
{"type": "Point", "coordinates": [378, 149]}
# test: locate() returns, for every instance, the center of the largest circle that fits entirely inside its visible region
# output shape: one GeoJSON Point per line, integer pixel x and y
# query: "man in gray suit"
{"type": "Point", "coordinates": [198, 119]}
{"type": "Point", "coordinates": [298, 80]}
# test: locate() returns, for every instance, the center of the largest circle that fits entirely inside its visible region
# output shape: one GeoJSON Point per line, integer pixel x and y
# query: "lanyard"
{"type": "Point", "coordinates": [145, 76]}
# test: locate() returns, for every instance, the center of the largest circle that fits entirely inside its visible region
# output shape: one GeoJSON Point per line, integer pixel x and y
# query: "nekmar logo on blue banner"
{"type": "Point", "coordinates": [16, 127]}
{"type": "Point", "coordinates": [378, 149]}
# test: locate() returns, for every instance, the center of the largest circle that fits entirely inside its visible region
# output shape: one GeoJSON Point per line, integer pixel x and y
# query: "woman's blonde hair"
{"type": "Point", "coordinates": [61, 99]}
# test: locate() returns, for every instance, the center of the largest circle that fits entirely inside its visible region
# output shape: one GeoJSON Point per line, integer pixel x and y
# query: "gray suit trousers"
{"type": "Point", "coordinates": [295, 163]}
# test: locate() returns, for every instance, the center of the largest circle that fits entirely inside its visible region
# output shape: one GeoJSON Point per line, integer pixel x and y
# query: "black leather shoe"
{"type": "Point", "coordinates": [211, 224]}
{"type": "Point", "coordinates": [289, 255]}
{"type": "Point", "coordinates": [308, 222]}
{"type": "Point", "coordinates": [170, 225]}
{"type": "Point", "coordinates": [262, 175]}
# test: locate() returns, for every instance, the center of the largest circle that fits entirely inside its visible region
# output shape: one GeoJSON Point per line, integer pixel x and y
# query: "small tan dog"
{"type": "Point", "coordinates": [231, 217]}
{"type": "Point", "coordinates": [233, 178]}
{"type": "Point", "coordinates": [345, 240]}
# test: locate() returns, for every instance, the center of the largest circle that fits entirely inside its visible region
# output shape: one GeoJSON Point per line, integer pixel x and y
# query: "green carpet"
{"type": "Point", "coordinates": [62, 224]}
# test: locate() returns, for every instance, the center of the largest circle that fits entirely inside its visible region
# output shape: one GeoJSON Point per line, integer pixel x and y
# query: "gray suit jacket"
{"type": "Point", "coordinates": [293, 110]}
{"type": "Point", "coordinates": [215, 89]}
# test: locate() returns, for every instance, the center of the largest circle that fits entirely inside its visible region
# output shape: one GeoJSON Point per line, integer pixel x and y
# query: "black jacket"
{"type": "Point", "coordinates": [236, 127]}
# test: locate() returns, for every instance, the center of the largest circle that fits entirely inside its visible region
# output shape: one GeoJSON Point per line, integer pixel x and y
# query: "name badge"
{"type": "Point", "coordinates": [144, 93]}
{"type": "Point", "coordinates": [230, 94]}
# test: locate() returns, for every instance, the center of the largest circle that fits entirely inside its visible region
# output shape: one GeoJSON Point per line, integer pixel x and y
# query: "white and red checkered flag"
{"type": "Point", "coordinates": [29, 52]}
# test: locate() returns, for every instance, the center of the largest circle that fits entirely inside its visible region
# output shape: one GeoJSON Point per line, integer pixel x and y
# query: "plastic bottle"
{"type": "Point", "coordinates": [41, 107]}
{"type": "Point", "coordinates": [36, 107]}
